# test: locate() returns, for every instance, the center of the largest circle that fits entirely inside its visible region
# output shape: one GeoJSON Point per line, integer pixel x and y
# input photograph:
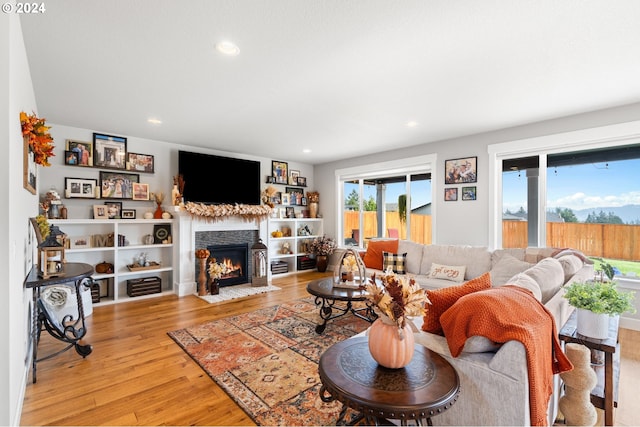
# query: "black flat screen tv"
{"type": "Point", "coordinates": [217, 180]}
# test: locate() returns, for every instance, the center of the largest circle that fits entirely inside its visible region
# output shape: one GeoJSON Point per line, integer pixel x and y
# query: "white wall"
{"type": "Point", "coordinates": [463, 222]}
{"type": "Point", "coordinates": [18, 206]}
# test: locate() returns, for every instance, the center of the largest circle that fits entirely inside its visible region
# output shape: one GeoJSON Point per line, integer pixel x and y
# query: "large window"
{"type": "Point", "coordinates": [396, 203]}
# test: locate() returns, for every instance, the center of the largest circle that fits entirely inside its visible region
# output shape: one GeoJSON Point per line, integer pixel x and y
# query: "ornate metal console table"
{"type": "Point", "coordinates": [69, 330]}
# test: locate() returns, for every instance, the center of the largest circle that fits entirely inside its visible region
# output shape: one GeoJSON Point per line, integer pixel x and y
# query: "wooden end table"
{"type": "Point", "coordinates": [326, 296]}
{"type": "Point", "coordinates": [605, 394]}
{"type": "Point", "coordinates": [425, 388]}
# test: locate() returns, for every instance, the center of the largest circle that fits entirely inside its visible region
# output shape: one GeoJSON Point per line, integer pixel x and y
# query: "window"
{"type": "Point", "coordinates": [392, 201]}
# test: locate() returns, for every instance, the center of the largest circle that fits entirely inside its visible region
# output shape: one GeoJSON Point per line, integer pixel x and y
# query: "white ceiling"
{"type": "Point", "coordinates": [339, 77]}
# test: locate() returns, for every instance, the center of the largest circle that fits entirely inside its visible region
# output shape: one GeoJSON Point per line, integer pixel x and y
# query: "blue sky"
{"type": "Point", "coordinates": [580, 187]}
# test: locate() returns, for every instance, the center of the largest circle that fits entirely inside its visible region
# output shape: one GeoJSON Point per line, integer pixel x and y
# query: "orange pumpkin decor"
{"type": "Point", "coordinates": [389, 346]}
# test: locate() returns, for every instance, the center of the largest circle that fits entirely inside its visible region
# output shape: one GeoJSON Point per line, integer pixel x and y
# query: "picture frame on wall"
{"type": "Point", "coordinates": [100, 212]}
{"type": "Point", "coordinates": [117, 185]}
{"type": "Point", "coordinates": [128, 214]}
{"type": "Point", "coordinates": [290, 212]}
{"type": "Point", "coordinates": [83, 150]}
{"type": "Point", "coordinates": [285, 199]}
{"type": "Point", "coordinates": [114, 209]}
{"type": "Point", "coordinates": [450, 194]}
{"type": "Point", "coordinates": [293, 177]}
{"type": "Point", "coordinates": [110, 152]}
{"type": "Point", "coordinates": [79, 242]}
{"type": "Point", "coordinates": [140, 191]}
{"type": "Point", "coordinates": [461, 171]}
{"type": "Point", "coordinates": [71, 158]}
{"type": "Point", "coordinates": [302, 181]}
{"type": "Point", "coordinates": [469, 193]}
{"type": "Point", "coordinates": [30, 170]}
{"type": "Point", "coordinates": [276, 199]}
{"type": "Point", "coordinates": [280, 171]}
{"type": "Point", "coordinates": [140, 162]}
{"type": "Point", "coordinates": [295, 195]}
{"type": "Point", "coordinates": [80, 188]}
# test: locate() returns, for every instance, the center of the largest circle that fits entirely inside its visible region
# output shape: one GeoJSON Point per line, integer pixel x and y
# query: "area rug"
{"type": "Point", "coordinates": [238, 291]}
{"type": "Point", "coordinates": [267, 360]}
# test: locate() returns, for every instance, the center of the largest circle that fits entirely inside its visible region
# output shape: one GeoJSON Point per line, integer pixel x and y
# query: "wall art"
{"type": "Point", "coordinates": [461, 171]}
{"type": "Point", "coordinates": [110, 151]}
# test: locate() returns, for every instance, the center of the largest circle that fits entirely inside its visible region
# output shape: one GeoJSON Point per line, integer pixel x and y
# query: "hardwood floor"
{"type": "Point", "coordinates": [137, 375]}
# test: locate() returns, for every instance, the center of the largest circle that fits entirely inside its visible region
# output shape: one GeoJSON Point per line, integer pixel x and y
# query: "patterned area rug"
{"type": "Point", "coordinates": [238, 291]}
{"type": "Point", "coordinates": [267, 360]}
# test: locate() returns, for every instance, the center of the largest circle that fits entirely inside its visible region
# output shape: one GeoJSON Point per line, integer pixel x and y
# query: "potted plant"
{"type": "Point", "coordinates": [596, 301]}
{"type": "Point", "coordinates": [322, 247]}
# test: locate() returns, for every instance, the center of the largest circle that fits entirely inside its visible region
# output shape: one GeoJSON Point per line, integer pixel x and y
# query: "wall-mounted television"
{"type": "Point", "coordinates": [219, 180]}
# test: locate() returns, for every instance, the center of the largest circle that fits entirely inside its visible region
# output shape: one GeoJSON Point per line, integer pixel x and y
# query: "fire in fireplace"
{"type": "Point", "coordinates": [236, 258]}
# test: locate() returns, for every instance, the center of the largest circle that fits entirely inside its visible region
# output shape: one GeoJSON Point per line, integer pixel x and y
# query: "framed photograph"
{"type": "Point", "coordinates": [161, 233]}
{"type": "Point", "coordinates": [276, 199]}
{"type": "Point", "coordinates": [302, 181]}
{"type": "Point", "coordinates": [303, 202]}
{"type": "Point", "coordinates": [71, 158]}
{"type": "Point", "coordinates": [450, 194]}
{"type": "Point", "coordinates": [117, 185]}
{"type": "Point", "coordinates": [79, 242]}
{"type": "Point", "coordinates": [83, 150]}
{"type": "Point", "coordinates": [468, 193]}
{"type": "Point", "coordinates": [29, 171]}
{"type": "Point", "coordinates": [290, 212]}
{"type": "Point", "coordinates": [113, 209]}
{"type": "Point", "coordinates": [140, 191]}
{"type": "Point", "coordinates": [110, 151]}
{"type": "Point", "coordinates": [460, 171]}
{"type": "Point", "coordinates": [100, 212]}
{"type": "Point", "coordinates": [293, 177]}
{"type": "Point", "coordinates": [285, 199]}
{"type": "Point", "coordinates": [80, 188]}
{"type": "Point", "coordinates": [280, 171]}
{"type": "Point", "coordinates": [140, 162]}
{"type": "Point", "coordinates": [128, 214]}
{"type": "Point", "coordinates": [295, 195]}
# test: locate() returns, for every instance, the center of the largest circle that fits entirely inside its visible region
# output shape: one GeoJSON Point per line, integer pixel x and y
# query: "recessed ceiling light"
{"type": "Point", "coordinates": [227, 48]}
{"type": "Point", "coordinates": [306, 150]}
{"type": "Point", "coordinates": [154, 121]}
{"type": "Point", "coordinates": [412, 124]}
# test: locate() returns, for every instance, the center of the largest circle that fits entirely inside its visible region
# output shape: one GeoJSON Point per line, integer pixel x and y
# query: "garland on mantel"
{"type": "Point", "coordinates": [219, 212]}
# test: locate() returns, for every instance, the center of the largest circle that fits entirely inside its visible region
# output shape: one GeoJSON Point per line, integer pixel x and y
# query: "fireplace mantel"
{"type": "Point", "coordinates": [185, 240]}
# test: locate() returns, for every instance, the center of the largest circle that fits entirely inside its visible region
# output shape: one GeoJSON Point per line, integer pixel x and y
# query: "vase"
{"type": "Point", "coordinates": [389, 346]}
{"type": "Point", "coordinates": [202, 277]}
{"type": "Point", "coordinates": [313, 209]}
{"type": "Point", "coordinates": [214, 287]}
{"type": "Point", "coordinates": [321, 263]}
{"type": "Point", "coordinates": [158, 213]}
{"type": "Point", "coordinates": [592, 324]}
{"type": "Point", "coordinates": [350, 277]}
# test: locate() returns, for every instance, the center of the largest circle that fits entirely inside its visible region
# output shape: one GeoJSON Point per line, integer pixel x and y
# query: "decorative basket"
{"type": "Point", "coordinates": [340, 273]}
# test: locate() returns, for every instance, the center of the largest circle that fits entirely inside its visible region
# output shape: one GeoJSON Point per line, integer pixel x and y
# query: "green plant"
{"type": "Point", "coordinates": [600, 297]}
{"type": "Point", "coordinates": [402, 208]}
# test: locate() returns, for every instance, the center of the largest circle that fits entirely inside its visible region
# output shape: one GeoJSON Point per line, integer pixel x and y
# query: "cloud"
{"type": "Point", "coordinates": [581, 200]}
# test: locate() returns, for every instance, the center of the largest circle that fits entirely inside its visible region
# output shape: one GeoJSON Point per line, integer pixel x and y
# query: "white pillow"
{"type": "Point", "coordinates": [524, 281]}
{"type": "Point", "coordinates": [455, 273]}
{"type": "Point", "coordinates": [571, 264]}
{"type": "Point", "coordinates": [506, 268]}
{"type": "Point", "coordinates": [549, 275]}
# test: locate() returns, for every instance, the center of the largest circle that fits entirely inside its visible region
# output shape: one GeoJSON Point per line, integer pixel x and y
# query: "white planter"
{"type": "Point", "coordinates": [593, 325]}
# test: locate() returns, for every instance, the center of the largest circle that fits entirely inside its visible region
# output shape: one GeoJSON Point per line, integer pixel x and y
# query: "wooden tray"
{"type": "Point", "coordinates": [152, 266]}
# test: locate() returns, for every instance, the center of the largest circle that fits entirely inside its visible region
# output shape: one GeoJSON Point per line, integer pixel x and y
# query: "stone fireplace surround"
{"type": "Point", "coordinates": [191, 233]}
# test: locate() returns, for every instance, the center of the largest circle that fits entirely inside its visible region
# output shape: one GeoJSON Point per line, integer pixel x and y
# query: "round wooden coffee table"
{"type": "Point", "coordinates": [425, 388]}
{"type": "Point", "coordinates": [326, 296]}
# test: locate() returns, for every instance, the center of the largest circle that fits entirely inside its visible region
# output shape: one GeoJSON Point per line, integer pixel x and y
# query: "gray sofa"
{"type": "Point", "coordinates": [494, 381]}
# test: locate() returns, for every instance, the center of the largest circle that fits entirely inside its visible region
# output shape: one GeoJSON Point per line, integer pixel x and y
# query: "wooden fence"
{"type": "Point", "coordinates": [601, 240]}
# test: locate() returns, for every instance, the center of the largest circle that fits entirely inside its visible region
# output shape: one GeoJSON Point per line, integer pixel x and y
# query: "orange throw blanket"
{"type": "Point", "coordinates": [511, 313]}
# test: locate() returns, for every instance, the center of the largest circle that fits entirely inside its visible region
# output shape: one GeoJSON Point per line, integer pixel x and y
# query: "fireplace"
{"type": "Point", "coordinates": [236, 258]}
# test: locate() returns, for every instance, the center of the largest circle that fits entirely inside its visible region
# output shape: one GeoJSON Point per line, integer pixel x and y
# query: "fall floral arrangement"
{"type": "Point", "coordinates": [202, 253]}
{"type": "Point", "coordinates": [349, 263]}
{"type": "Point", "coordinates": [396, 298]}
{"type": "Point", "coordinates": [322, 246]}
{"type": "Point", "coordinates": [40, 141]}
{"type": "Point", "coordinates": [313, 196]}
{"type": "Point", "coordinates": [217, 270]}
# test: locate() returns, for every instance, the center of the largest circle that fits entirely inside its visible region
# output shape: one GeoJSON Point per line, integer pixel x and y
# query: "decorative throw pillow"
{"type": "Point", "coordinates": [373, 256]}
{"type": "Point", "coordinates": [506, 268]}
{"type": "Point", "coordinates": [393, 261]}
{"type": "Point", "coordinates": [524, 281]}
{"type": "Point", "coordinates": [455, 273]}
{"type": "Point", "coordinates": [442, 299]}
{"type": "Point", "coordinates": [571, 264]}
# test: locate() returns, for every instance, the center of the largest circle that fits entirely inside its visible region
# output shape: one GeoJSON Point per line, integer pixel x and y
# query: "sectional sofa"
{"type": "Point", "coordinates": [494, 376]}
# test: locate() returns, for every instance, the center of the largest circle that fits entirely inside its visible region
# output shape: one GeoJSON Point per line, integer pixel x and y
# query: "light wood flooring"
{"type": "Point", "coordinates": [137, 375]}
